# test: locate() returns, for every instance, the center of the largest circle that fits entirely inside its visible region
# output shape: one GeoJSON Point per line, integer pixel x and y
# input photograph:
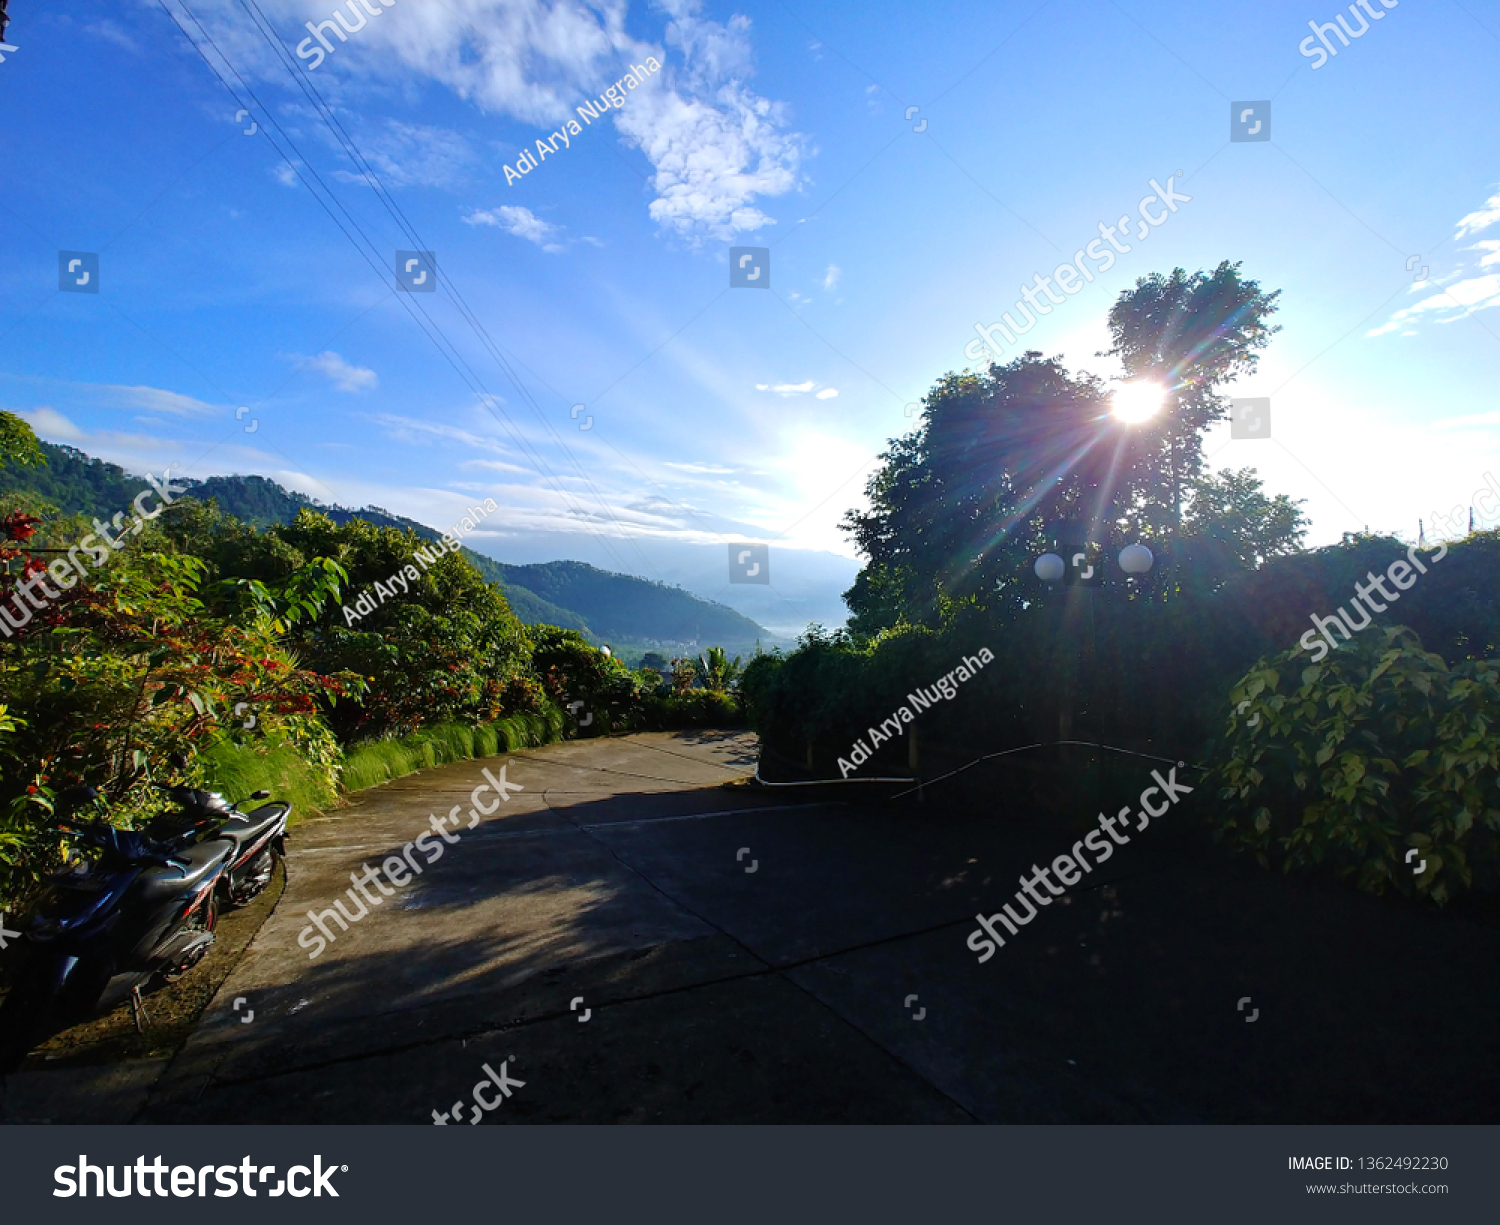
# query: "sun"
{"type": "Point", "coordinates": [1135, 402]}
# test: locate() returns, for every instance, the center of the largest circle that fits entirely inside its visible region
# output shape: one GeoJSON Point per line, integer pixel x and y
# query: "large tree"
{"type": "Point", "coordinates": [1192, 334]}
{"type": "Point", "coordinates": [962, 505]}
{"type": "Point", "coordinates": [18, 445]}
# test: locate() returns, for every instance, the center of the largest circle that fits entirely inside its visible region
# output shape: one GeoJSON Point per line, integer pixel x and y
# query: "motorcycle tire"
{"type": "Point", "coordinates": [203, 919]}
{"type": "Point", "coordinates": [264, 863]}
{"type": "Point", "coordinates": [26, 1016]}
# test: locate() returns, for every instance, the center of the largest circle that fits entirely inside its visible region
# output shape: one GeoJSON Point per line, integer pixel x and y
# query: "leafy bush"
{"type": "Point", "coordinates": [717, 672]}
{"type": "Point", "coordinates": [446, 649]}
{"type": "Point", "coordinates": [139, 662]}
{"type": "Point", "coordinates": [1349, 763]}
{"type": "Point", "coordinates": [573, 671]}
{"type": "Point", "coordinates": [700, 708]}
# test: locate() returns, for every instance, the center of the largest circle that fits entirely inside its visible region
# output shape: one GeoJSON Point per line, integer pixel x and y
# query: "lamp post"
{"type": "Point", "coordinates": [1135, 560]}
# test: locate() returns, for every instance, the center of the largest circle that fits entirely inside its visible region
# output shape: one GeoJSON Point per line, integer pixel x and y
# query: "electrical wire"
{"type": "Point", "coordinates": [429, 327]}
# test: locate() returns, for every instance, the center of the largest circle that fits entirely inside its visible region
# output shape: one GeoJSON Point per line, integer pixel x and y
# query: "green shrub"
{"type": "Point", "coordinates": [486, 740]}
{"type": "Point", "coordinates": [696, 708]}
{"type": "Point", "coordinates": [1350, 763]}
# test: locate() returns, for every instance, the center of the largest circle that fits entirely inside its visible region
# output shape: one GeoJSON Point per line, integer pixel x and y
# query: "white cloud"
{"type": "Point", "coordinates": [51, 424]}
{"type": "Point", "coordinates": [1481, 218]}
{"type": "Point", "coordinates": [521, 222]}
{"type": "Point", "coordinates": [703, 469]}
{"type": "Point", "coordinates": [713, 158]}
{"type": "Point", "coordinates": [1467, 421]}
{"type": "Point", "coordinates": [286, 174]}
{"type": "Point", "coordinates": [1492, 245]}
{"type": "Point", "coordinates": [140, 452]}
{"type": "Point", "coordinates": [344, 376]}
{"type": "Point", "coordinates": [1460, 295]}
{"type": "Point", "coordinates": [798, 389]}
{"type": "Point", "coordinates": [412, 430]}
{"type": "Point", "coordinates": [156, 400]}
{"type": "Point", "coordinates": [1477, 291]}
{"type": "Point", "coordinates": [409, 155]}
{"type": "Point", "coordinates": [113, 32]}
{"type": "Point", "coordinates": [831, 278]}
{"type": "Point", "coordinates": [716, 146]}
{"type": "Point", "coordinates": [495, 465]}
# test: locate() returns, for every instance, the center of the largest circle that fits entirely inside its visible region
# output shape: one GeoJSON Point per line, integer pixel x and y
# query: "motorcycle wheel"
{"type": "Point", "coordinates": [201, 920]}
{"type": "Point", "coordinates": [26, 1015]}
{"type": "Point", "coordinates": [257, 877]}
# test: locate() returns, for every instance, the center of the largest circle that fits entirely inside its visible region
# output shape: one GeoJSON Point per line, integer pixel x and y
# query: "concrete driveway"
{"type": "Point", "coordinates": [743, 958]}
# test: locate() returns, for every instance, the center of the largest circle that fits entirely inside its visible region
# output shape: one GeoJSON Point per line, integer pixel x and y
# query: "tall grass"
{"type": "Point", "coordinates": [237, 770]}
{"type": "Point", "coordinates": [379, 761]}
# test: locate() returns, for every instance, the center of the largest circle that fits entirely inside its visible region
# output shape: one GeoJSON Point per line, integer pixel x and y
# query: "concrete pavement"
{"type": "Point", "coordinates": [716, 994]}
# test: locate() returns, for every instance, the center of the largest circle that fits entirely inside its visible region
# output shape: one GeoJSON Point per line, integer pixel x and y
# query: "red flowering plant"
{"type": "Point", "coordinates": [134, 667]}
{"type": "Point", "coordinates": [17, 527]}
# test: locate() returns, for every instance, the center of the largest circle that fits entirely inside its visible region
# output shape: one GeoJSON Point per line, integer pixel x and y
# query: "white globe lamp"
{"type": "Point", "coordinates": [1135, 559]}
{"type": "Point", "coordinates": [1049, 567]}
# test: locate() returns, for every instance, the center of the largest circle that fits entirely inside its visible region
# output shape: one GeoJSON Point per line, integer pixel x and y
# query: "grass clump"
{"type": "Point", "coordinates": [379, 761]}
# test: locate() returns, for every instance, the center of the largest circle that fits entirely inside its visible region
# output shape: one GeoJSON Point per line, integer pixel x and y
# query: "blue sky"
{"type": "Point", "coordinates": [601, 276]}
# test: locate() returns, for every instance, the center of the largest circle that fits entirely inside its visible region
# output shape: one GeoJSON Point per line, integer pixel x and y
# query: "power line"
{"type": "Point", "coordinates": [383, 194]}
{"type": "Point", "coordinates": [341, 134]}
{"type": "Point", "coordinates": [429, 327]}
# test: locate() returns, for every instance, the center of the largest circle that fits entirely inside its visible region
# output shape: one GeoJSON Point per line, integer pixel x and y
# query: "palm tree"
{"type": "Point", "coordinates": [717, 672]}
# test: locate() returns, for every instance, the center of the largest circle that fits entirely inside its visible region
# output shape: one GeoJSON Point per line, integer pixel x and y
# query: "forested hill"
{"type": "Point", "coordinates": [634, 609]}
{"type": "Point", "coordinates": [569, 594]}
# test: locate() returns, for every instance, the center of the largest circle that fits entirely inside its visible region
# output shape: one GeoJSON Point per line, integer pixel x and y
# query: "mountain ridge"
{"type": "Point", "coordinates": [605, 604]}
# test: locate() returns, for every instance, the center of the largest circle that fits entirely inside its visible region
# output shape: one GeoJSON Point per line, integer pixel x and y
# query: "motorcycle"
{"type": "Point", "coordinates": [140, 915]}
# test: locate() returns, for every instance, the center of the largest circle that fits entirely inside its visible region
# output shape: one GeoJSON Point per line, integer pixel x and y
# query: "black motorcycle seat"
{"type": "Point", "coordinates": [246, 827]}
{"type": "Point", "coordinates": [203, 860]}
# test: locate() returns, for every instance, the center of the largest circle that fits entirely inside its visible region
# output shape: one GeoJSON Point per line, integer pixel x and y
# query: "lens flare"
{"type": "Point", "coordinates": [1134, 402]}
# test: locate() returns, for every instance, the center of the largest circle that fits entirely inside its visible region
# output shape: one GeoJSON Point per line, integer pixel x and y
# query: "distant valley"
{"type": "Point", "coordinates": [632, 614]}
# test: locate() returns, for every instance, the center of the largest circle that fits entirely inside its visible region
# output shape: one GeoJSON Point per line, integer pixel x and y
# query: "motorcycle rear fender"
{"type": "Point", "coordinates": [165, 923]}
{"type": "Point", "coordinates": [62, 902]}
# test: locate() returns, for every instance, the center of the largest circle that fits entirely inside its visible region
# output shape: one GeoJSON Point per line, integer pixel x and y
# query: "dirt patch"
{"type": "Point", "coordinates": [174, 1010]}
